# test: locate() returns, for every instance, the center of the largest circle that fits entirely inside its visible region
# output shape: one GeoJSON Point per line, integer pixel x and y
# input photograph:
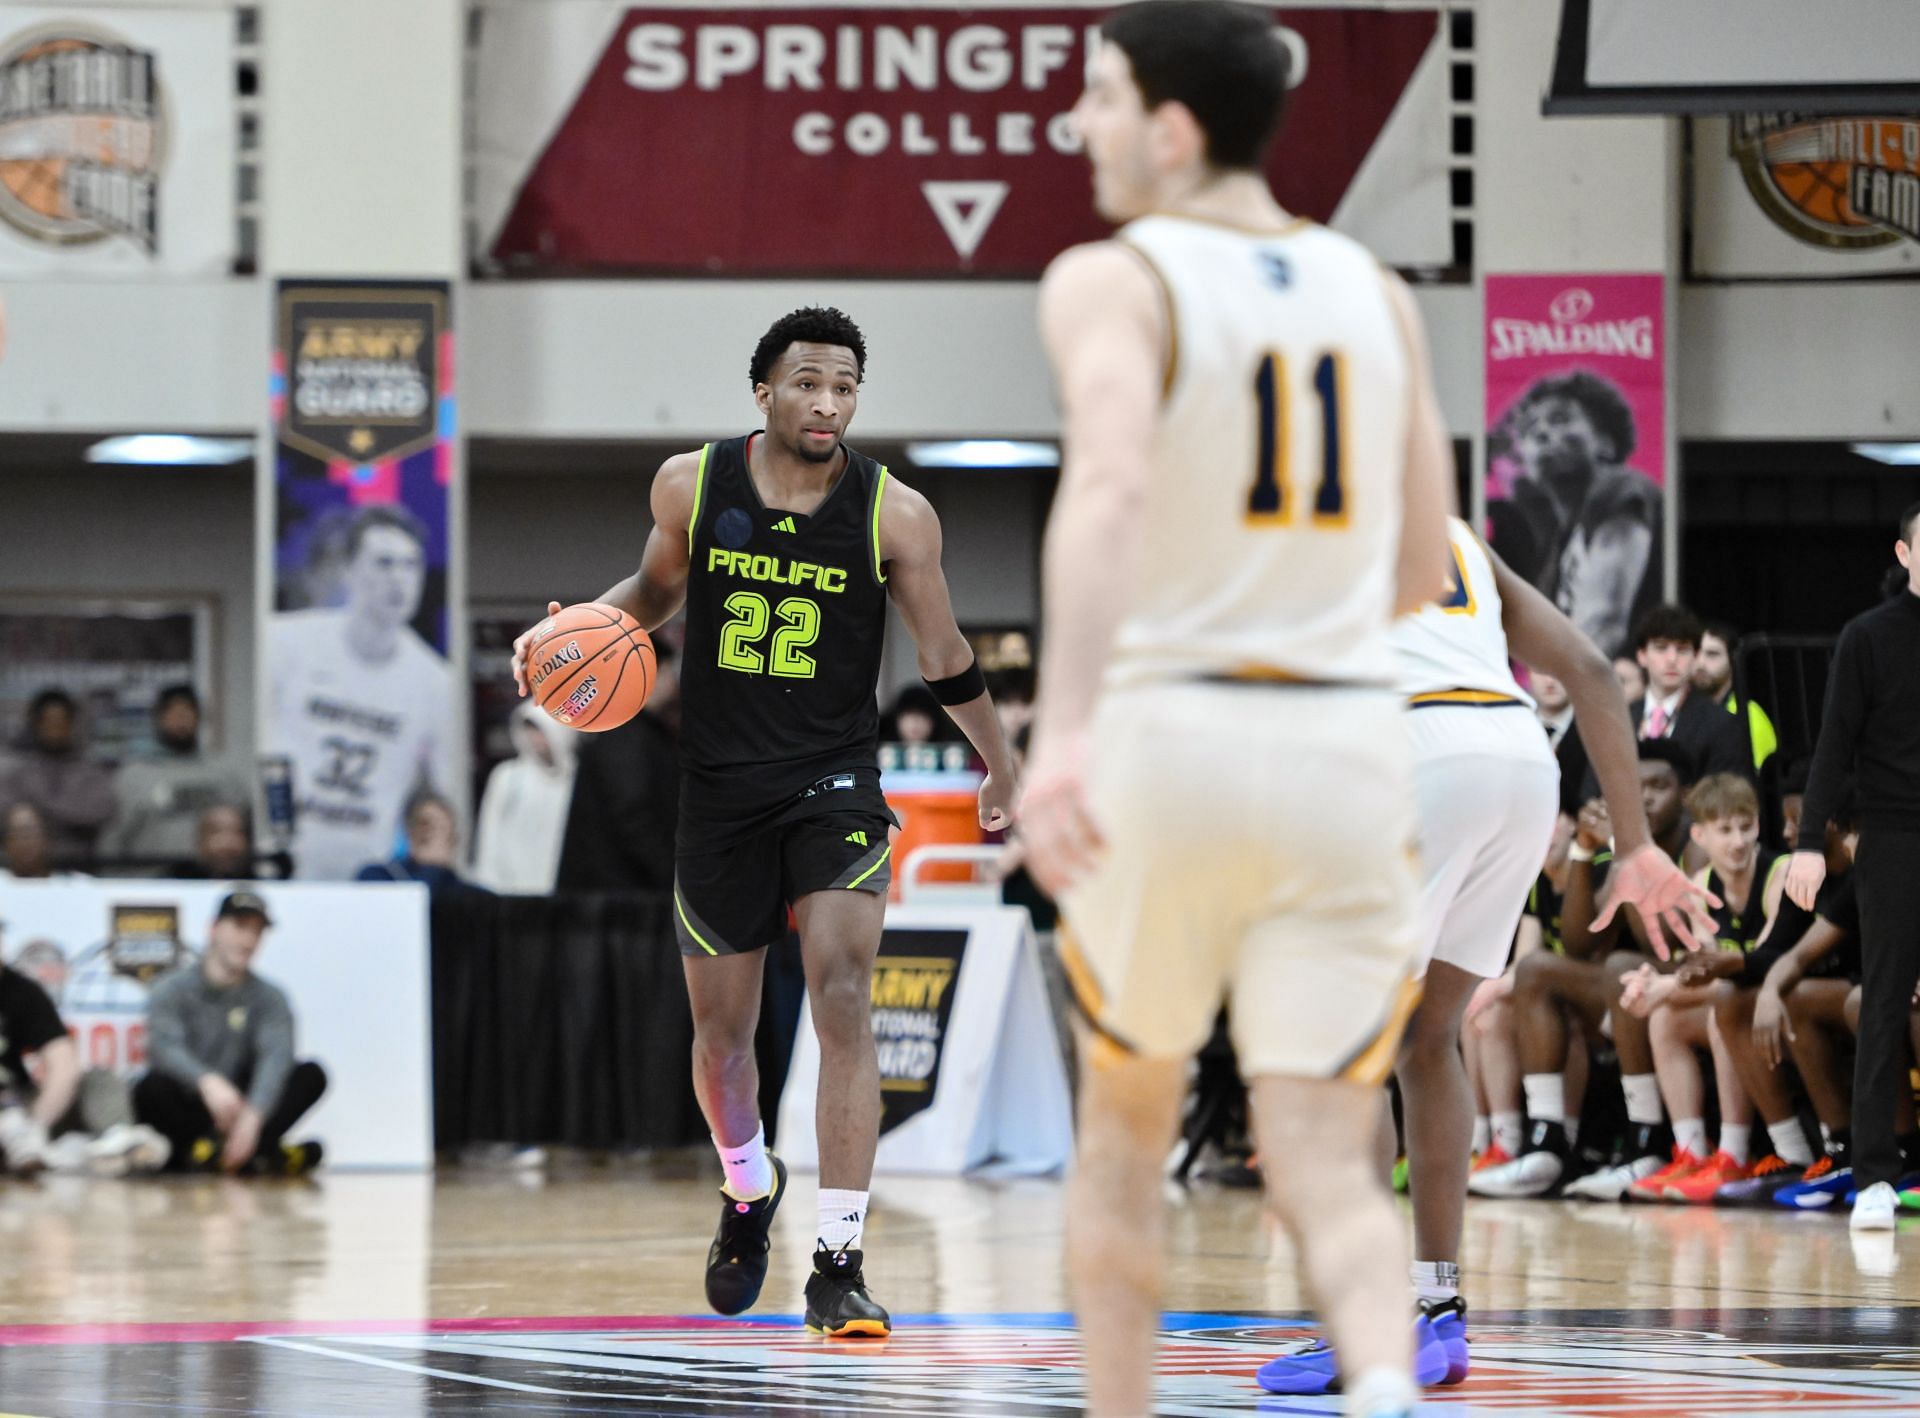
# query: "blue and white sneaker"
{"type": "Point", "coordinates": [1822, 1187]}
{"type": "Point", "coordinates": [1449, 1321]}
{"type": "Point", "coordinates": [1316, 1369]}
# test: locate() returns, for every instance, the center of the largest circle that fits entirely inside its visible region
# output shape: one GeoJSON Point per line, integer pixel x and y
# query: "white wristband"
{"type": "Point", "coordinates": [1577, 853]}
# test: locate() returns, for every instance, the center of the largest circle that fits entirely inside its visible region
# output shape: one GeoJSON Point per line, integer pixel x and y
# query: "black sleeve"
{"type": "Point", "coordinates": [1790, 924]}
{"type": "Point", "coordinates": [1840, 721]}
{"type": "Point", "coordinates": [30, 1018]}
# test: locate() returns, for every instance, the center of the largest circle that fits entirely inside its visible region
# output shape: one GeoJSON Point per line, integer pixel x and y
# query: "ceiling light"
{"type": "Point", "coordinates": [1898, 455]}
{"type": "Point", "coordinates": [170, 450]}
{"type": "Point", "coordinates": [984, 453]}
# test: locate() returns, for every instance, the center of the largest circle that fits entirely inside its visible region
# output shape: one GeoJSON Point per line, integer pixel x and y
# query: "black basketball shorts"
{"type": "Point", "coordinates": [732, 899]}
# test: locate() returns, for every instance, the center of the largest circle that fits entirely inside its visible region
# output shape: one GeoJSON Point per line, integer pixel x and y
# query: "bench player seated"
{"type": "Point", "coordinates": [1490, 1036]}
{"type": "Point", "coordinates": [1813, 959]}
{"type": "Point", "coordinates": [1684, 1018]}
{"type": "Point", "coordinates": [1556, 996]}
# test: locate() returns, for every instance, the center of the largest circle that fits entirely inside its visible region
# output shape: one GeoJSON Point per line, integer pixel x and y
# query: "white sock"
{"type": "Point", "coordinates": [1736, 1140]}
{"type": "Point", "coordinates": [1643, 1098]}
{"type": "Point", "coordinates": [843, 1214]}
{"type": "Point", "coordinates": [1546, 1097]}
{"type": "Point", "coordinates": [1435, 1279]}
{"type": "Point", "coordinates": [1690, 1135]}
{"type": "Point", "coordinates": [1381, 1393]}
{"type": "Point", "coordinates": [1790, 1142]}
{"type": "Point", "coordinates": [749, 1173]}
{"type": "Point", "coordinates": [1826, 1137]}
{"type": "Point", "coordinates": [1506, 1132]}
{"type": "Point", "coordinates": [1482, 1135]}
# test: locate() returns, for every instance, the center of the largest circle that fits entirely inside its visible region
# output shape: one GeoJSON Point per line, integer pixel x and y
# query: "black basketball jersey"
{"type": "Point", "coordinates": [1740, 930]}
{"type": "Point", "coordinates": [786, 615]}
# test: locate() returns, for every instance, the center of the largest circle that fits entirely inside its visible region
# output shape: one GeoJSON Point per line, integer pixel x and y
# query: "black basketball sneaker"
{"type": "Point", "coordinates": [838, 1304]}
{"type": "Point", "coordinates": [737, 1260]}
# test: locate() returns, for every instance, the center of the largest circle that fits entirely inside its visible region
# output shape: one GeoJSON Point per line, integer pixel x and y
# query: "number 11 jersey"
{"type": "Point", "coordinates": [1274, 507]}
{"type": "Point", "coordinates": [786, 618]}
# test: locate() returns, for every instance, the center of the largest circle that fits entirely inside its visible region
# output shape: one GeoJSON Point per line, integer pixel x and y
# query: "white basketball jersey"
{"type": "Point", "coordinates": [1274, 510]}
{"type": "Point", "coordinates": [1456, 649]}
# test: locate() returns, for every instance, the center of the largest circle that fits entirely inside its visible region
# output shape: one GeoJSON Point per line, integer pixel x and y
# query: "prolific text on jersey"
{"type": "Point", "coordinates": [777, 570]}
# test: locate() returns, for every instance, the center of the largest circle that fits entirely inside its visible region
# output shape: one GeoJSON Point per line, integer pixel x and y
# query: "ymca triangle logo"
{"type": "Point", "coordinates": [965, 210]}
{"type": "Point", "coordinates": [857, 838]}
{"type": "Point", "coordinates": [785, 524]}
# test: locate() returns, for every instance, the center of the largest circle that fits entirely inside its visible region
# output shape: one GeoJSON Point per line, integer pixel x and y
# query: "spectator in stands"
{"type": "Point", "coordinates": [1012, 699]}
{"type": "Point", "coordinates": [73, 795]}
{"type": "Point", "coordinates": [222, 846]}
{"type": "Point", "coordinates": [433, 848]}
{"type": "Point", "coordinates": [1665, 642]}
{"type": "Point", "coordinates": [48, 1102]}
{"type": "Point", "coordinates": [164, 794]}
{"type": "Point", "coordinates": [25, 853]}
{"type": "Point", "coordinates": [1713, 677]}
{"type": "Point", "coordinates": [1871, 728]}
{"type": "Point", "coordinates": [1555, 709]}
{"type": "Point", "coordinates": [915, 717]}
{"type": "Point", "coordinates": [225, 1086]}
{"type": "Point", "coordinates": [523, 811]}
{"type": "Point", "coordinates": [626, 796]}
{"type": "Point", "coordinates": [1633, 679]}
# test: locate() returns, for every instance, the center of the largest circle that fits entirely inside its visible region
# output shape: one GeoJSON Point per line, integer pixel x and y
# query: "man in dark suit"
{"type": "Point", "coordinates": [1665, 643]}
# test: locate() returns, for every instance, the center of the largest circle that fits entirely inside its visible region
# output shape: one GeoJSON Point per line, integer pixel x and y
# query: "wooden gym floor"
{"type": "Point", "coordinates": [578, 1291]}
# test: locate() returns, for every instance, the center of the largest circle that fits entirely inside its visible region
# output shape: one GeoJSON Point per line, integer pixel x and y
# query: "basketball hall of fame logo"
{"type": "Point", "coordinates": [82, 136]}
{"type": "Point", "coordinates": [1847, 184]}
{"type": "Point", "coordinates": [1595, 1363]}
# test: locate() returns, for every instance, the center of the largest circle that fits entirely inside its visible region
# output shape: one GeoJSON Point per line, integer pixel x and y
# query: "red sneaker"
{"type": "Point", "coordinates": [1494, 1156]}
{"type": "Point", "coordinates": [1699, 1185]}
{"type": "Point", "coordinates": [1654, 1188]}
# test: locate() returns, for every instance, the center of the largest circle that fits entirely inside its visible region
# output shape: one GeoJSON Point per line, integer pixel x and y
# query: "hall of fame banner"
{"type": "Point", "coordinates": [906, 140]}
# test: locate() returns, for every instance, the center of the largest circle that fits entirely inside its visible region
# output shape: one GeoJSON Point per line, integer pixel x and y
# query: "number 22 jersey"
{"type": "Point", "coordinates": [786, 619]}
{"type": "Point", "coordinates": [1275, 499]}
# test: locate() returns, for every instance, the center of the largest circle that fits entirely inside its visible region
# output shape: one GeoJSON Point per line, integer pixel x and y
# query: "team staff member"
{"type": "Point", "coordinates": [225, 1086]}
{"type": "Point", "coordinates": [785, 546]}
{"type": "Point", "coordinates": [1871, 729]}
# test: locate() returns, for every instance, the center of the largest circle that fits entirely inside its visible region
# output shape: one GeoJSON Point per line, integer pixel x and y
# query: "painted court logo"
{"type": "Point", "coordinates": [82, 137]}
{"type": "Point", "coordinates": [1847, 184]}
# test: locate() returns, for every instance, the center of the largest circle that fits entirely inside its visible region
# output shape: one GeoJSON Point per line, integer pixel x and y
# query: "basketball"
{"type": "Point", "coordinates": [590, 667]}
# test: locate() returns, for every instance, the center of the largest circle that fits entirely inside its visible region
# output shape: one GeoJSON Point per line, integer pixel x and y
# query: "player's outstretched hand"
{"type": "Point", "coordinates": [1806, 873]}
{"type": "Point", "coordinates": [996, 804]}
{"type": "Point", "coordinates": [1666, 898]}
{"type": "Point", "coordinates": [1056, 821]}
{"type": "Point", "coordinates": [520, 650]}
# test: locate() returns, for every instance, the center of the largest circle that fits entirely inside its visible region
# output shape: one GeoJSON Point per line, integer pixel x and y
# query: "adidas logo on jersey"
{"type": "Point", "coordinates": [785, 524]}
{"type": "Point", "coordinates": [857, 838]}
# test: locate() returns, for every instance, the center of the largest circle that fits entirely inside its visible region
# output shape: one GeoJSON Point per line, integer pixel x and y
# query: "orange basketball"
{"type": "Point", "coordinates": [590, 666]}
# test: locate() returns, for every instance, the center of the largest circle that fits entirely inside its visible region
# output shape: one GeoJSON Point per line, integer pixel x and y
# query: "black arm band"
{"type": "Point", "coordinates": [962, 688]}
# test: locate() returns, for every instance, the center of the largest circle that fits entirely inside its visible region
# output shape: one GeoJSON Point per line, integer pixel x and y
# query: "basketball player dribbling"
{"type": "Point", "coordinates": [785, 547]}
{"type": "Point", "coordinates": [1255, 483]}
{"type": "Point", "coordinates": [1488, 789]}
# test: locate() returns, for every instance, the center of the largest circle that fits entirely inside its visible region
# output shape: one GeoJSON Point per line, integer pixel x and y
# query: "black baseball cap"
{"type": "Point", "coordinates": [244, 903]}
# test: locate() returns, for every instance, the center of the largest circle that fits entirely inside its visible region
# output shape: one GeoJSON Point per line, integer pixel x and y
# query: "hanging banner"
{"type": "Point", "coordinates": [905, 140]}
{"type": "Point", "coordinates": [117, 143]}
{"type": "Point", "coordinates": [361, 703]}
{"type": "Point", "coordinates": [1577, 441]}
{"type": "Point", "coordinates": [1785, 195]}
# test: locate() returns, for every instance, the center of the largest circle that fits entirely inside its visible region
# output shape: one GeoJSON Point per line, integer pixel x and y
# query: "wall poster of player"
{"type": "Point", "coordinates": [361, 699]}
{"type": "Point", "coordinates": [1577, 442]}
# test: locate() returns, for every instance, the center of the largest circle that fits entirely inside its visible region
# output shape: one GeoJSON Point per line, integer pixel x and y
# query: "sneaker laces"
{"type": "Point", "coordinates": [1820, 1169]}
{"type": "Point", "coordinates": [1768, 1165]}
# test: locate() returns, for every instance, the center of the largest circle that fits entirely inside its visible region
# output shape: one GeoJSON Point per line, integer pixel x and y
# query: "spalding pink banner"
{"type": "Point", "coordinates": [1577, 439]}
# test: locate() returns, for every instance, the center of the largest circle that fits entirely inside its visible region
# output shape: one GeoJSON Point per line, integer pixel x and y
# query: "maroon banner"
{"type": "Point", "coordinates": [909, 141]}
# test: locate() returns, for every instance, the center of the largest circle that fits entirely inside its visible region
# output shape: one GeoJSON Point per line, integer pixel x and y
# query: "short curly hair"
{"type": "Point", "coordinates": [810, 325]}
{"type": "Point", "coordinates": [1606, 409]}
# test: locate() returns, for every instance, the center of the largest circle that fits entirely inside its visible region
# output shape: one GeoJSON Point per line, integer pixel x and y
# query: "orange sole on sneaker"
{"type": "Point", "coordinates": [853, 1329]}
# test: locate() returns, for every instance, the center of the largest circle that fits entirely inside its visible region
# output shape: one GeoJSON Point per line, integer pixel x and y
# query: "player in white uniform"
{"type": "Point", "coordinates": [1487, 787]}
{"type": "Point", "coordinates": [362, 705]}
{"type": "Point", "coordinates": [1255, 482]}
